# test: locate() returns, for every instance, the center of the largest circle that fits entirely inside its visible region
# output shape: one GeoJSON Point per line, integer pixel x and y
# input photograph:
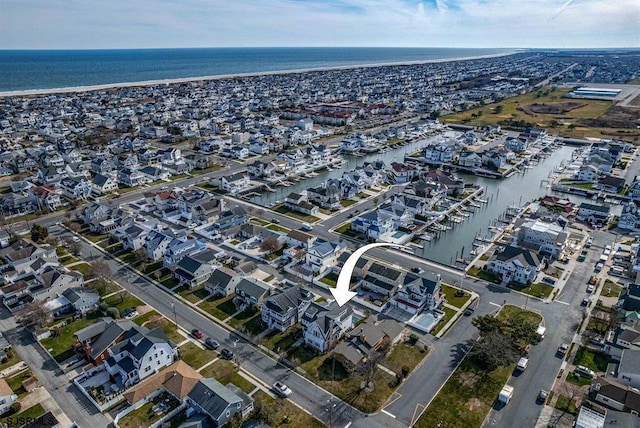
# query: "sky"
{"type": "Point", "coordinates": [93, 24]}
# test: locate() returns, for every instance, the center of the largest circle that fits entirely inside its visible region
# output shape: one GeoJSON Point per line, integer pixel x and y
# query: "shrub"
{"type": "Point", "coordinates": [15, 407]}
{"type": "Point", "coordinates": [113, 312]}
{"type": "Point", "coordinates": [405, 371]}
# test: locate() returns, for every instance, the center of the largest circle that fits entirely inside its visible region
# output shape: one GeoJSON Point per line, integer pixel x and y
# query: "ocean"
{"type": "Point", "coordinates": [48, 69]}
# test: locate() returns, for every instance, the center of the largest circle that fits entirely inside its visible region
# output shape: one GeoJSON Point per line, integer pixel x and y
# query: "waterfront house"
{"type": "Point", "coordinates": [469, 159]}
{"type": "Point", "coordinates": [611, 184]}
{"type": "Point", "coordinates": [548, 239]}
{"type": "Point", "coordinates": [373, 224]}
{"type": "Point", "coordinates": [587, 173]}
{"type": "Point", "coordinates": [401, 173]}
{"type": "Point", "coordinates": [324, 325]}
{"type": "Point", "coordinates": [235, 183]}
{"type": "Point", "coordinates": [515, 264]}
{"type": "Point", "coordinates": [594, 214]}
{"type": "Point", "coordinates": [298, 203]}
{"type": "Point", "coordinates": [326, 197]}
{"type": "Point", "coordinates": [284, 309]}
{"type": "Point", "coordinates": [260, 169]}
{"type": "Point", "coordinates": [516, 144]}
{"type": "Point", "coordinates": [630, 217]}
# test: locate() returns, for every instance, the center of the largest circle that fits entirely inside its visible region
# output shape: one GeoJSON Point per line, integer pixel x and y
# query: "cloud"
{"type": "Point", "coordinates": [455, 23]}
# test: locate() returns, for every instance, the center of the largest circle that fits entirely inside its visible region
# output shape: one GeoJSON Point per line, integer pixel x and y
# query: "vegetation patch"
{"type": "Point", "coordinates": [538, 289]}
{"type": "Point", "coordinates": [281, 413]}
{"type": "Point", "coordinates": [455, 297]}
{"type": "Point", "coordinates": [595, 361]}
{"type": "Point", "coordinates": [220, 307]}
{"type": "Point", "coordinates": [406, 357]}
{"type": "Point", "coordinates": [277, 228]}
{"type": "Point", "coordinates": [226, 372]}
{"type": "Point", "coordinates": [300, 216]}
{"type": "Point", "coordinates": [330, 279]}
{"type": "Point", "coordinates": [281, 342]}
{"type": "Point", "coordinates": [123, 300]}
{"type": "Point", "coordinates": [195, 356]}
{"type": "Point", "coordinates": [169, 328]}
{"type": "Point", "coordinates": [448, 315]}
{"type": "Point", "coordinates": [141, 319]}
{"type": "Point", "coordinates": [63, 338]}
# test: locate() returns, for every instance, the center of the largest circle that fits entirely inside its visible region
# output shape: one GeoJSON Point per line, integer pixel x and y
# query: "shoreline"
{"type": "Point", "coordinates": [90, 88]}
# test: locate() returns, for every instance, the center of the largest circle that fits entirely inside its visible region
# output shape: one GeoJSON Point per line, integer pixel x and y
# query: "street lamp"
{"type": "Point", "coordinates": [175, 316]}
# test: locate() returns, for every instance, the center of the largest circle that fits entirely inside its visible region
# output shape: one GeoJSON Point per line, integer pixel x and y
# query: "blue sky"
{"type": "Point", "coordinates": [69, 24]}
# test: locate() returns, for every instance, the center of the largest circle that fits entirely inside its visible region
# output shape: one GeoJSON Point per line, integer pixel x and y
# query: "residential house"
{"type": "Point", "coordinates": [373, 224]}
{"type": "Point", "coordinates": [441, 152]}
{"type": "Point", "coordinates": [22, 258]}
{"type": "Point", "coordinates": [133, 236]}
{"type": "Point", "coordinates": [548, 239]}
{"type": "Point", "coordinates": [418, 293]}
{"type": "Point", "coordinates": [284, 309]}
{"type": "Point", "coordinates": [177, 249]}
{"type": "Point", "coordinates": [360, 268]}
{"type": "Point", "coordinates": [322, 255]}
{"type": "Point", "coordinates": [297, 202]}
{"type": "Point", "coordinates": [57, 277]}
{"type": "Point", "coordinates": [515, 264]}
{"type": "Point", "coordinates": [615, 394]}
{"type": "Point", "coordinates": [95, 339]}
{"type": "Point", "coordinates": [83, 299]}
{"type": "Point", "coordinates": [231, 218]}
{"type": "Point", "coordinates": [587, 173]}
{"type": "Point", "coordinates": [75, 189]}
{"type": "Point", "coordinates": [298, 239]}
{"type": "Point", "coordinates": [364, 340]}
{"type": "Point", "coordinates": [102, 166]}
{"type": "Point", "coordinates": [611, 184]}
{"type": "Point", "coordinates": [401, 173]}
{"type": "Point", "coordinates": [178, 379]}
{"type": "Point", "coordinates": [157, 242]}
{"type": "Point", "coordinates": [46, 197]}
{"type": "Point", "coordinates": [381, 279]}
{"type": "Point", "coordinates": [131, 177]}
{"type": "Point", "coordinates": [219, 403]}
{"type": "Point", "coordinates": [222, 282]}
{"type": "Point", "coordinates": [630, 217]}
{"type": "Point", "coordinates": [13, 204]}
{"type": "Point", "coordinates": [102, 184]}
{"type": "Point", "coordinates": [323, 326]}
{"type": "Point", "coordinates": [594, 214]}
{"type": "Point", "coordinates": [235, 183]}
{"type": "Point", "coordinates": [325, 197]}
{"type": "Point", "coordinates": [450, 181]}
{"type": "Point", "coordinates": [469, 159]}
{"type": "Point", "coordinates": [516, 144]}
{"type": "Point", "coordinates": [260, 169]}
{"type": "Point", "coordinates": [139, 354]}
{"type": "Point", "coordinates": [7, 397]}
{"type": "Point", "coordinates": [629, 368]}
{"type": "Point", "coordinates": [250, 292]}
{"type": "Point", "coordinates": [192, 272]}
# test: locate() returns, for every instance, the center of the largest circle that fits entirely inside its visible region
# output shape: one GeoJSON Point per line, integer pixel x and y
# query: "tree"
{"type": "Point", "coordinates": [113, 312]}
{"type": "Point", "coordinates": [497, 109]}
{"type": "Point", "coordinates": [141, 257]}
{"type": "Point", "coordinates": [371, 368]}
{"type": "Point", "coordinates": [75, 247]}
{"type": "Point", "coordinates": [494, 349]}
{"type": "Point", "coordinates": [75, 226]}
{"type": "Point", "coordinates": [270, 244]}
{"type": "Point", "coordinates": [39, 233]}
{"type": "Point", "coordinates": [36, 312]}
{"type": "Point", "coordinates": [488, 324]}
{"type": "Point", "coordinates": [99, 269]}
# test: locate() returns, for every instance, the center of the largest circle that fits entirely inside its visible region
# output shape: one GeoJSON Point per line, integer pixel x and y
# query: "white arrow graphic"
{"type": "Point", "coordinates": [341, 292]}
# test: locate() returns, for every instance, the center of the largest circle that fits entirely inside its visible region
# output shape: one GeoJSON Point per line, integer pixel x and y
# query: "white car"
{"type": "Point", "coordinates": [281, 389]}
{"type": "Point", "coordinates": [75, 239]}
{"type": "Point", "coordinates": [590, 288]}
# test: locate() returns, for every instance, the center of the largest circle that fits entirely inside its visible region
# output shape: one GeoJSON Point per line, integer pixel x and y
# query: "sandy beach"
{"type": "Point", "coordinates": [89, 88]}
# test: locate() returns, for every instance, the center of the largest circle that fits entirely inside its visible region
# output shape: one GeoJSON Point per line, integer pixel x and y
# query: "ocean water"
{"type": "Point", "coordinates": [47, 69]}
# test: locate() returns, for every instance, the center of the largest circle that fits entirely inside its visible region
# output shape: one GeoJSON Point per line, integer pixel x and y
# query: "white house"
{"type": "Point", "coordinates": [515, 264]}
{"type": "Point", "coordinates": [418, 293]}
{"type": "Point", "coordinates": [546, 238]}
{"type": "Point", "coordinates": [595, 214]}
{"type": "Point", "coordinates": [322, 255]}
{"type": "Point", "coordinates": [7, 396]}
{"type": "Point", "coordinates": [630, 217]}
{"type": "Point", "coordinates": [323, 326]}
{"type": "Point", "coordinates": [587, 173]}
{"type": "Point", "coordinates": [284, 309]}
{"type": "Point", "coordinates": [235, 183]}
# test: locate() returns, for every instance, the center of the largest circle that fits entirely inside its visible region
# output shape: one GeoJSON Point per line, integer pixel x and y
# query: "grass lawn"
{"type": "Point", "coordinates": [193, 295]}
{"type": "Point", "coordinates": [60, 347]}
{"type": "Point", "coordinates": [141, 319]}
{"type": "Point", "coordinates": [226, 372]}
{"type": "Point", "coordinates": [12, 359]}
{"type": "Point", "coordinates": [260, 221]}
{"type": "Point", "coordinates": [123, 300]}
{"type": "Point", "coordinates": [448, 314]}
{"type": "Point", "coordinates": [594, 361]}
{"type": "Point", "coordinates": [610, 289]}
{"type": "Point", "coordinates": [280, 342]}
{"type": "Point", "coordinates": [483, 274]}
{"type": "Point", "coordinates": [83, 268]}
{"type": "Point", "coordinates": [104, 288]}
{"type": "Point", "coordinates": [277, 228]}
{"type": "Point", "coordinates": [68, 259]}
{"type": "Point", "coordinates": [578, 380]}
{"type": "Point", "coordinates": [31, 413]}
{"type": "Point", "coordinates": [300, 216]}
{"type": "Point", "coordinates": [128, 258]}
{"type": "Point", "coordinates": [169, 328]}
{"type": "Point", "coordinates": [330, 279]}
{"type": "Point", "coordinates": [95, 238]}
{"type": "Point", "coordinates": [404, 354]}
{"type": "Point", "coordinates": [195, 356]}
{"type": "Point", "coordinates": [585, 186]}
{"type": "Point", "coordinates": [346, 385]}
{"type": "Point", "coordinates": [466, 398]}
{"type": "Point", "coordinates": [597, 326]}
{"type": "Point", "coordinates": [15, 382]}
{"type": "Point", "coordinates": [458, 302]}
{"type": "Point", "coordinates": [243, 317]}
{"type": "Point", "coordinates": [169, 281]}
{"type": "Point", "coordinates": [564, 404]}
{"type": "Point", "coordinates": [150, 267]}
{"type": "Point", "coordinates": [537, 290]}
{"type": "Point", "coordinates": [220, 308]}
{"type": "Point", "coordinates": [253, 326]}
{"type": "Point", "coordinates": [347, 202]}
{"type": "Point", "coordinates": [282, 413]}
{"type": "Point", "coordinates": [142, 417]}
{"type": "Point", "coordinates": [512, 313]}
{"type": "Point", "coordinates": [345, 229]}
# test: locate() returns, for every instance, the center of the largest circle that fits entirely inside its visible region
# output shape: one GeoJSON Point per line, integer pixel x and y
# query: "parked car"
{"type": "Point", "coordinates": [469, 311]}
{"type": "Point", "coordinates": [584, 372]}
{"type": "Point", "coordinates": [562, 349]}
{"type": "Point", "coordinates": [549, 280]}
{"type": "Point", "coordinates": [584, 302]}
{"type": "Point", "coordinates": [542, 396]}
{"type": "Point", "coordinates": [211, 343]}
{"type": "Point", "coordinates": [75, 239]}
{"type": "Point", "coordinates": [227, 354]}
{"type": "Point", "coordinates": [590, 288]}
{"type": "Point", "coordinates": [417, 270]}
{"type": "Point", "coordinates": [129, 313]}
{"type": "Point", "coordinates": [197, 333]}
{"type": "Point", "coordinates": [275, 221]}
{"type": "Point", "coordinates": [281, 389]}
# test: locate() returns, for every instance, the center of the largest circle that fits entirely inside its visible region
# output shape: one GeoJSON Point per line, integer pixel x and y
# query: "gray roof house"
{"type": "Point", "coordinates": [192, 272]}
{"type": "Point", "coordinates": [220, 403]}
{"type": "Point", "coordinates": [250, 292]}
{"type": "Point", "coordinates": [83, 299]}
{"type": "Point", "coordinates": [284, 309]}
{"type": "Point", "coordinates": [222, 282]}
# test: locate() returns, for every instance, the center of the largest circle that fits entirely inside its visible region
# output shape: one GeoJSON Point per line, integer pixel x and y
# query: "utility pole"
{"type": "Point", "coordinates": [175, 315]}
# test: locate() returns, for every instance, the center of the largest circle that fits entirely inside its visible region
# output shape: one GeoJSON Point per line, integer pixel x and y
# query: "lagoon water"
{"type": "Point", "coordinates": [46, 69]}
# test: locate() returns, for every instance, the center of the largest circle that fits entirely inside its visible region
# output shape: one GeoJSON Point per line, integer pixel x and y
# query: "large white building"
{"type": "Point", "coordinates": [515, 264]}
{"type": "Point", "coordinates": [546, 238]}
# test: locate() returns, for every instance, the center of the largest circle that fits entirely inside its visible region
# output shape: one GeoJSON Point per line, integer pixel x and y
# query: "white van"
{"type": "Point", "coordinates": [522, 364]}
{"type": "Point", "coordinates": [306, 226]}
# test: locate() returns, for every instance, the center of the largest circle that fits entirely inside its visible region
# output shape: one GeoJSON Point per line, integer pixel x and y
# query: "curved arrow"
{"type": "Point", "coordinates": [341, 292]}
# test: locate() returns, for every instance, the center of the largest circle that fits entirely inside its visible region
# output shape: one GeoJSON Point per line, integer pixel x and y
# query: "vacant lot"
{"type": "Point", "coordinates": [565, 117]}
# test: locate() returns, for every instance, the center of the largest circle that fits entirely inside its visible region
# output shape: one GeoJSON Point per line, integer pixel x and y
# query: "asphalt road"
{"type": "Point", "coordinates": [74, 404]}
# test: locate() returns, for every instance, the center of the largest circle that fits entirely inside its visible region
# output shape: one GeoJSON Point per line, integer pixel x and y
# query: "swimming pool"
{"type": "Point", "coordinates": [398, 234]}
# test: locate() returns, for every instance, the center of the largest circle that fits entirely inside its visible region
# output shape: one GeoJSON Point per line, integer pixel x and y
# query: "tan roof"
{"type": "Point", "coordinates": [5, 389]}
{"type": "Point", "coordinates": [178, 378]}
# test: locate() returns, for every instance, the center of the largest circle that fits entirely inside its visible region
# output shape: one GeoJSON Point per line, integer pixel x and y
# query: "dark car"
{"type": "Point", "coordinates": [275, 221]}
{"type": "Point", "coordinates": [542, 396]}
{"type": "Point", "coordinates": [469, 311]}
{"type": "Point", "coordinates": [227, 353]}
{"type": "Point", "coordinates": [584, 302]}
{"type": "Point", "coordinates": [197, 333]}
{"type": "Point", "coordinates": [417, 270]}
{"type": "Point", "coordinates": [211, 343]}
